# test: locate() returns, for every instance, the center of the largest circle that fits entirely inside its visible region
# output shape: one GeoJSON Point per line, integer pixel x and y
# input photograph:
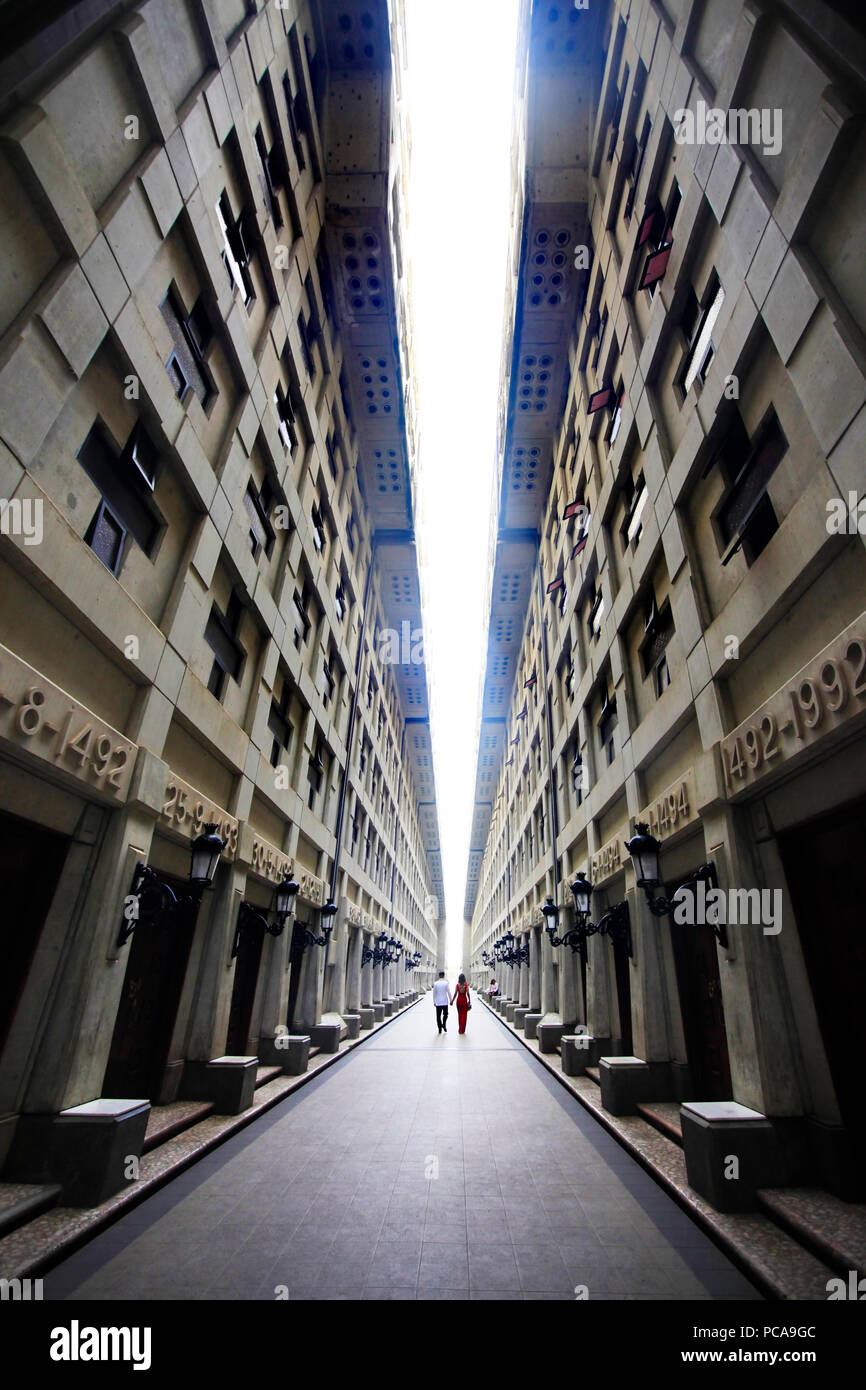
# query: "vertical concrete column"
{"type": "Point", "coordinates": [366, 972]}
{"type": "Point", "coordinates": [308, 1011]}
{"type": "Point", "coordinates": [208, 1024]}
{"type": "Point", "coordinates": [354, 977]}
{"type": "Point", "coordinates": [525, 940]}
{"type": "Point", "coordinates": [535, 970]}
{"type": "Point", "coordinates": [549, 999]}
{"type": "Point", "coordinates": [275, 1000]}
{"type": "Point", "coordinates": [650, 1004]}
{"type": "Point", "coordinates": [377, 982]}
{"type": "Point", "coordinates": [569, 964]}
{"type": "Point", "coordinates": [600, 990]}
{"type": "Point", "coordinates": [335, 1001]}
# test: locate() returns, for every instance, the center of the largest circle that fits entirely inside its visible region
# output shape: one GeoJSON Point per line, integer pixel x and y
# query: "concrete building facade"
{"type": "Point", "coordinates": [677, 602]}
{"type": "Point", "coordinates": [208, 445]}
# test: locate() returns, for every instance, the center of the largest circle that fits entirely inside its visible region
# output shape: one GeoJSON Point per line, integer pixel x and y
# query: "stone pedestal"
{"type": "Point", "coordinates": [509, 1012]}
{"type": "Point", "coordinates": [89, 1146]}
{"type": "Point", "coordinates": [730, 1152]}
{"type": "Point", "coordinates": [230, 1082]}
{"type": "Point", "coordinates": [368, 1017]}
{"type": "Point", "coordinates": [296, 1057]}
{"type": "Point", "coordinates": [530, 1024]}
{"type": "Point", "coordinates": [548, 1035]}
{"type": "Point", "coordinates": [326, 1036]}
{"type": "Point", "coordinates": [520, 1013]}
{"type": "Point", "coordinates": [626, 1081]}
{"type": "Point", "coordinates": [379, 1012]}
{"type": "Point", "coordinates": [353, 1025]}
{"type": "Point", "coordinates": [388, 1005]}
{"type": "Point", "coordinates": [576, 1053]}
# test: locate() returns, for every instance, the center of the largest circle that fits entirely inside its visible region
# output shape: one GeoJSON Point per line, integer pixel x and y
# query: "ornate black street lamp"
{"type": "Point", "coordinates": [248, 916]}
{"type": "Point", "coordinates": [614, 924]}
{"type": "Point", "coordinates": [326, 913]}
{"type": "Point", "coordinates": [150, 898]}
{"type": "Point", "coordinates": [644, 849]}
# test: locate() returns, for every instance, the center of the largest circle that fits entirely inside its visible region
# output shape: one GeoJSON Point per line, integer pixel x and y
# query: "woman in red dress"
{"type": "Point", "coordinates": [461, 994]}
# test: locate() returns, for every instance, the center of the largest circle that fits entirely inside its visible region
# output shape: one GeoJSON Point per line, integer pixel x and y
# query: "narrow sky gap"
{"type": "Point", "coordinates": [461, 76]}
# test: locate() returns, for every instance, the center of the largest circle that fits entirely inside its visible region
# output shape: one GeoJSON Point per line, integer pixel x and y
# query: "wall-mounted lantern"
{"type": "Point", "coordinates": [644, 849]}
{"type": "Point", "coordinates": [248, 916]}
{"type": "Point", "coordinates": [150, 898]}
{"type": "Point", "coordinates": [325, 913]}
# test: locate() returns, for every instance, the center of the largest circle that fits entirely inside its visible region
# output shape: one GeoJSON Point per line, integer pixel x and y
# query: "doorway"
{"type": "Point", "coordinates": [623, 994]}
{"type": "Point", "coordinates": [247, 962]}
{"type": "Point", "coordinates": [158, 958]}
{"type": "Point", "coordinates": [700, 990]}
{"type": "Point", "coordinates": [829, 853]}
{"type": "Point", "coordinates": [296, 956]}
{"type": "Point", "coordinates": [31, 861]}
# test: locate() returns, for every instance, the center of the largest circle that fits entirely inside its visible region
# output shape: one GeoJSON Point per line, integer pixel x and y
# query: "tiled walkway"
{"type": "Point", "coordinates": [423, 1166]}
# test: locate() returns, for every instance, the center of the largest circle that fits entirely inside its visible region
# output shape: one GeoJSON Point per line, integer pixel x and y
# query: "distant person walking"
{"type": "Point", "coordinates": [464, 1004]}
{"type": "Point", "coordinates": [441, 995]}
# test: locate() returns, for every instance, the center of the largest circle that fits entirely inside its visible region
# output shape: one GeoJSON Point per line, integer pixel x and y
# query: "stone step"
{"type": "Point", "coordinates": [21, 1202]}
{"type": "Point", "coordinates": [833, 1230]}
{"type": "Point", "coordinates": [166, 1121]}
{"type": "Point", "coordinates": [266, 1074]}
{"type": "Point", "coordinates": [664, 1115]}
{"type": "Point", "coordinates": [593, 1074]}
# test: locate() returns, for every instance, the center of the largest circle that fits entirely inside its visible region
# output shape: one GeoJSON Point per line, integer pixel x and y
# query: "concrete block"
{"type": "Point", "coordinates": [388, 1005]}
{"type": "Point", "coordinates": [576, 1053]}
{"type": "Point", "coordinates": [530, 1024]}
{"type": "Point", "coordinates": [163, 194]}
{"type": "Point", "coordinates": [133, 236]}
{"type": "Point", "coordinates": [296, 1054]}
{"type": "Point", "coordinates": [368, 1017]}
{"type": "Point", "coordinates": [548, 1035]}
{"type": "Point", "coordinates": [379, 1012]}
{"type": "Point", "coordinates": [30, 401]}
{"type": "Point", "coordinates": [105, 278]}
{"type": "Point", "coordinates": [326, 1036]}
{"type": "Point", "coordinates": [509, 1012]}
{"type": "Point", "coordinates": [230, 1082]}
{"type": "Point", "coordinates": [74, 320]}
{"type": "Point", "coordinates": [730, 1152]}
{"type": "Point", "coordinates": [520, 1017]}
{"type": "Point", "coordinates": [90, 1145]}
{"type": "Point", "coordinates": [626, 1080]}
{"type": "Point", "coordinates": [789, 306]}
{"type": "Point", "coordinates": [65, 203]}
{"type": "Point", "coordinates": [353, 1025]}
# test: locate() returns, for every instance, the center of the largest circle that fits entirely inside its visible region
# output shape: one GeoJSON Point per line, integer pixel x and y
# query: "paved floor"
{"type": "Point", "coordinates": [422, 1166]}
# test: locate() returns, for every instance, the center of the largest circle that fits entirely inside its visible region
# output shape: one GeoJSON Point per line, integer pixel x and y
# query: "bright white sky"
{"type": "Point", "coordinates": [460, 85]}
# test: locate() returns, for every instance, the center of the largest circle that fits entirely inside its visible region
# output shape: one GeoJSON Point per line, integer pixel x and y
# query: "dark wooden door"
{"type": "Point", "coordinates": [703, 1014]}
{"type": "Point", "coordinates": [823, 864]}
{"type": "Point", "coordinates": [159, 954]}
{"type": "Point", "coordinates": [31, 860]}
{"type": "Point", "coordinates": [623, 995]}
{"type": "Point", "coordinates": [247, 962]}
{"type": "Point", "coordinates": [296, 955]}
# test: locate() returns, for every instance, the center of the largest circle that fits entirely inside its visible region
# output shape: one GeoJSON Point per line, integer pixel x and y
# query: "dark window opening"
{"type": "Point", "coordinates": [240, 237]}
{"type": "Point", "coordinates": [279, 725]}
{"type": "Point", "coordinates": [221, 635]}
{"type": "Point", "coordinates": [258, 502]}
{"type": "Point", "coordinates": [745, 516]}
{"type": "Point", "coordinates": [126, 484]}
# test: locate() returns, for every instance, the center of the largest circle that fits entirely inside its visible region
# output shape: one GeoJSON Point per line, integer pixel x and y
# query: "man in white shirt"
{"type": "Point", "coordinates": [441, 995]}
